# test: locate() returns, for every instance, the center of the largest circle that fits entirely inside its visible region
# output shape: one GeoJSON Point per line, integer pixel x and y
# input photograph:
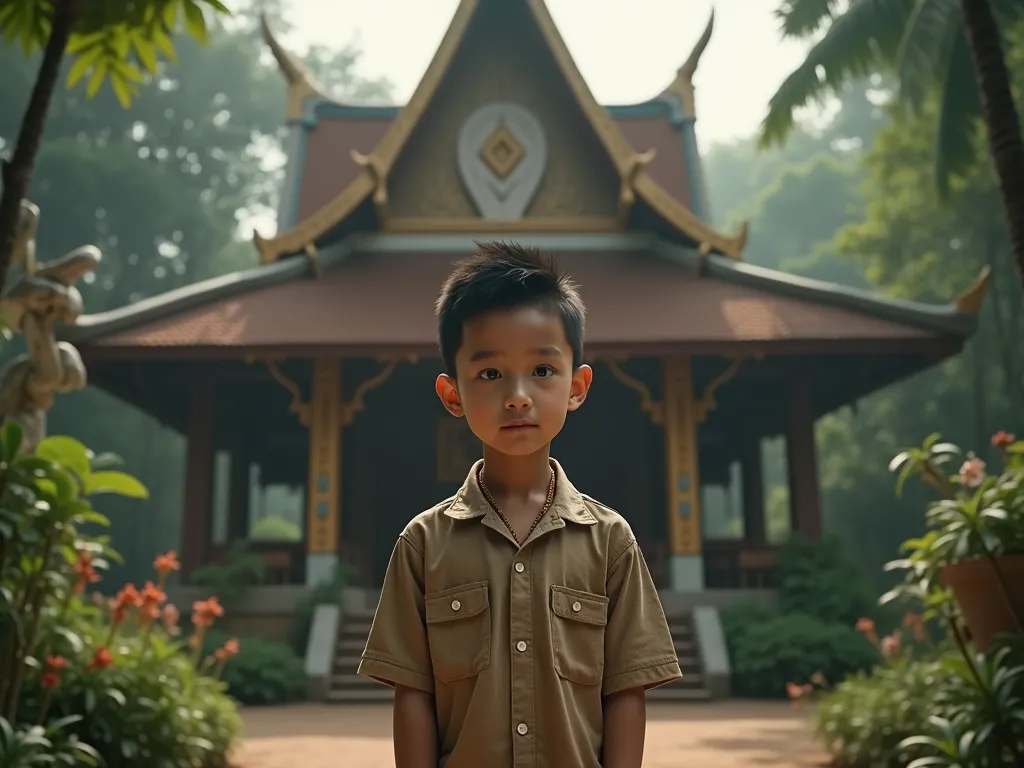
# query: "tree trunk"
{"type": "Point", "coordinates": [1000, 113]}
{"type": "Point", "coordinates": [17, 171]}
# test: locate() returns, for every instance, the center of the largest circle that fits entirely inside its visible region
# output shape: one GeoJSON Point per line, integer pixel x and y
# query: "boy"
{"type": "Point", "coordinates": [518, 621]}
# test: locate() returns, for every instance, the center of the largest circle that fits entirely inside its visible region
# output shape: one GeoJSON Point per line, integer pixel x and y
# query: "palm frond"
{"type": "Point", "coordinates": [859, 43]}
{"type": "Point", "coordinates": [802, 18]}
{"type": "Point", "coordinates": [959, 111]}
{"type": "Point", "coordinates": [923, 53]}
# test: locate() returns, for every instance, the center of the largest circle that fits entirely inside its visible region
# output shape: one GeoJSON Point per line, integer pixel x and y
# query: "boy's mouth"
{"type": "Point", "coordinates": [517, 424]}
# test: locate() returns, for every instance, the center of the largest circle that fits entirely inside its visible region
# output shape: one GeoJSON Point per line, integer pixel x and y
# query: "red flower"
{"type": "Point", "coordinates": [84, 571]}
{"type": "Point", "coordinates": [101, 659]}
{"type": "Point", "coordinates": [1003, 439]}
{"type": "Point", "coordinates": [50, 680]}
{"type": "Point", "coordinates": [51, 674]}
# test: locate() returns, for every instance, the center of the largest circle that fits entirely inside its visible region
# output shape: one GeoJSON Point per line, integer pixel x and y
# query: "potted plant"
{"type": "Point", "coordinates": [973, 551]}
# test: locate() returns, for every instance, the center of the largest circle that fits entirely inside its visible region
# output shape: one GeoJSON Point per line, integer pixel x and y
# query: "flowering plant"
{"type": "Point", "coordinates": [979, 516]}
{"type": "Point", "coordinates": [86, 679]}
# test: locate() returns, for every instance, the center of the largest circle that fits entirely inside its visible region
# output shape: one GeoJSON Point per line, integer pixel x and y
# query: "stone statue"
{"type": "Point", "coordinates": [43, 295]}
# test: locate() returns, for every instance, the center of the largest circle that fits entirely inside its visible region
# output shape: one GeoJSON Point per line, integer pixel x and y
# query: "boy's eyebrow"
{"type": "Point", "coordinates": [487, 354]}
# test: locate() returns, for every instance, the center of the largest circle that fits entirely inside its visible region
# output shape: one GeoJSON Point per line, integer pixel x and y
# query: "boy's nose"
{"type": "Point", "coordinates": [517, 398]}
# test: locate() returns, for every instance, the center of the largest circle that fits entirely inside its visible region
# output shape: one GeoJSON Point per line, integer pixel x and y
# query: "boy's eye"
{"type": "Point", "coordinates": [544, 371]}
{"type": "Point", "coordinates": [489, 374]}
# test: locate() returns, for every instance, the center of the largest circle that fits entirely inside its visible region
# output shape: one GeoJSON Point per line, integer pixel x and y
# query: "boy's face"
{"type": "Point", "coordinates": [514, 379]}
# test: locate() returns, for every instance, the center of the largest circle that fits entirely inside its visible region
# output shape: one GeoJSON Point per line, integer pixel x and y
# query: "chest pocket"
{"type": "Point", "coordinates": [459, 631]}
{"type": "Point", "coordinates": [578, 621]}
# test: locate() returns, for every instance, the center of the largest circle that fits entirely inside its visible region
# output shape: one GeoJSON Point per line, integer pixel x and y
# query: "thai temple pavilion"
{"type": "Point", "coordinates": [306, 382]}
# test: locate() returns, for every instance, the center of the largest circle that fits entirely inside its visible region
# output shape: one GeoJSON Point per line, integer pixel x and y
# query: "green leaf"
{"type": "Point", "coordinates": [195, 21]}
{"type": "Point", "coordinates": [10, 439]}
{"type": "Point", "coordinates": [67, 453]}
{"type": "Point", "coordinates": [78, 70]}
{"type": "Point", "coordinates": [120, 483]}
{"type": "Point", "coordinates": [123, 89]}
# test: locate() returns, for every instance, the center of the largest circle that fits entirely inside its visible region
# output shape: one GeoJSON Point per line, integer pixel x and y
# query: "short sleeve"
{"type": "Point", "coordinates": [396, 651]}
{"type": "Point", "coordinates": [639, 650]}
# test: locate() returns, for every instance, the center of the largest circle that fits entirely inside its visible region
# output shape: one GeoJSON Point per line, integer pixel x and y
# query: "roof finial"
{"type": "Point", "coordinates": [301, 83]}
{"type": "Point", "coordinates": [969, 301]}
{"type": "Point", "coordinates": [682, 86]}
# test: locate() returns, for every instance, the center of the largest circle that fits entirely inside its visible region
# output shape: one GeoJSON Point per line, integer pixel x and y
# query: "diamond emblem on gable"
{"type": "Point", "coordinates": [502, 152]}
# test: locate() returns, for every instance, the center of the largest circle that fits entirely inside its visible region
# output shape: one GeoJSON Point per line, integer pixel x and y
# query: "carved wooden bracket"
{"type": "Point", "coordinates": [704, 404]}
{"type": "Point", "coordinates": [654, 409]}
{"type": "Point", "coordinates": [302, 409]}
{"type": "Point", "coordinates": [375, 169]}
{"type": "Point", "coordinates": [358, 403]}
{"type": "Point", "coordinates": [627, 189]}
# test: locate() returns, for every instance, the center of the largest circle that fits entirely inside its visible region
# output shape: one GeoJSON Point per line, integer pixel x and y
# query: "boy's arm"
{"type": "Point", "coordinates": [415, 729]}
{"type": "Point", "coordinates": [625, 725]}
{"type": "Point", "coordinates": [639, 654]}
{"type": "Point", "coordinates": [397, 654]}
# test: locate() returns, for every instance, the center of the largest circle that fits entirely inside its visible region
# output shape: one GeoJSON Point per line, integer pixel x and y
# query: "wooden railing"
{"type": "Point", "coordinates": [284, 561]}
{"type": "Point", "coordinates": [739, 565]}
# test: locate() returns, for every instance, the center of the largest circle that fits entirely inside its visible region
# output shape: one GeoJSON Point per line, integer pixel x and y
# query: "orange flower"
{"type": "Point", "coordinates": [915, 624]}
{"type": "Point", "coordinates": [150, 602]}
{"type": "Point", "coordinates": [867, 628]}
{"type": "Point", "coordinates": [205, 612]}
{"type": "Point", "coordinates": [101, 659]}
{"type": "Point", "coordinates": [892, 645]}
{"type": "Point", "coordinates": [170, 618]}
{"type": "Point", "coordinates": [797, 692]}
{"type": "Point", "coordinates": [84, 572]}
{"type": "Point", "coordinates": [230, 649]}
{"type": "Point", "coordinates": [166, 563]}
{"type": "Point", "coordinates": [56, 663]}
{"type": "Point", "coordinates": [1003, 439]}
{"type": "Point", "coordinates": [126, 599]}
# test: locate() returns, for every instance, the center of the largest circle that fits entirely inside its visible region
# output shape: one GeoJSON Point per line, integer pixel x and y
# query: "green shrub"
{"type": "Point", "coordinates": [149, 707]}
{"type": "Point", "coordinates": [230, 579]}
{"type": "Point", "coordinates": [768, 650]}
{"type": "Point", "coordinates": [863, 720]}
{"type": "Point", "coordinates": [275, 528]}
{"type": "Point", "coordinates": [817, 579]}
{"type": "Point", "coordinates": [262, 672]}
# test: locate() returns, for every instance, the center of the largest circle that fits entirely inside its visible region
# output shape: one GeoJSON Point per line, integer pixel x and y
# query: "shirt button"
{"type": "Point", "coordinates": [520, 567]}
{"type": "Point", "coordinates": [522, 729]}
{"type": "Point", "coordinates": [575, 606]}
{"type": "Point", "coordinates": [521, 646]}
{"type": "Point", "coordinates": [456, 605]}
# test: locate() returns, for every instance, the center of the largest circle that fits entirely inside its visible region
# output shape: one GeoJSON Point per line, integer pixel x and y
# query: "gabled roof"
{"type": "Point", "coordinates": [630, 164]}
{"type": "Point", "coordinates": [644, 291]}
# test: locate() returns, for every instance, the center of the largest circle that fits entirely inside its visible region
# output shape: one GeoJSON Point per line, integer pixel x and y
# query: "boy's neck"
{"type": "Point", "coordinates": [517, 476]}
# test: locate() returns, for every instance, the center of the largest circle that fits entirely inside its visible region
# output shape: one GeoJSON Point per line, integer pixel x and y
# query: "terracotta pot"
{"type": "Point", "coordinates": [977, 590]}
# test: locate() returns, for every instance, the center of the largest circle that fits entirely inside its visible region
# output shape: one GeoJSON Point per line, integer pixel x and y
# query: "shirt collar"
{"type": "Point", "coordinates": [568, 504]}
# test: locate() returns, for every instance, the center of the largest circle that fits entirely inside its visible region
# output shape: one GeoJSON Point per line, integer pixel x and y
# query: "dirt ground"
{"type": "Point", "coordinates": [718, 735]}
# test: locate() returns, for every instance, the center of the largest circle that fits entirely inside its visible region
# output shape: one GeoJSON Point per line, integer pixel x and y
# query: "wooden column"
{"type": "Point", "coordinates": [323, 515]}
{"type": "Point", "coordinates": [238, 495]}
{"type": "Point", "coordinates": [196, 518]}
{"type": "Point", "coordinates": [753, 490]}
{"type": "Point", "coordinates": [802, 461]}
{"type": "Point", "coordinates": [681, 471]}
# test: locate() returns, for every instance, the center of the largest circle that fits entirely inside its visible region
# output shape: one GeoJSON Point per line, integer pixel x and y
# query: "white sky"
{"type": "Point", "coordinates": [628, 50]}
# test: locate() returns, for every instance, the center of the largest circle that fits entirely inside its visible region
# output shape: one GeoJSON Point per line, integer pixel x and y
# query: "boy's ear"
{"type": "Point", "coordinates": [581, 380]}
{"type": "Point", "coordinates": [448, 391]}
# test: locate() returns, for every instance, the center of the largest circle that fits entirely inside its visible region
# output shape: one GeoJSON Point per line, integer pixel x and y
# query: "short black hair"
{"type": "Point", "coordinates": [504, 276]}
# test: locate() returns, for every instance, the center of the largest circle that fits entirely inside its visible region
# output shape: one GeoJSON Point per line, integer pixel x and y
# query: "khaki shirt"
{"type": "Point", "coordinates": [519, 646]}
